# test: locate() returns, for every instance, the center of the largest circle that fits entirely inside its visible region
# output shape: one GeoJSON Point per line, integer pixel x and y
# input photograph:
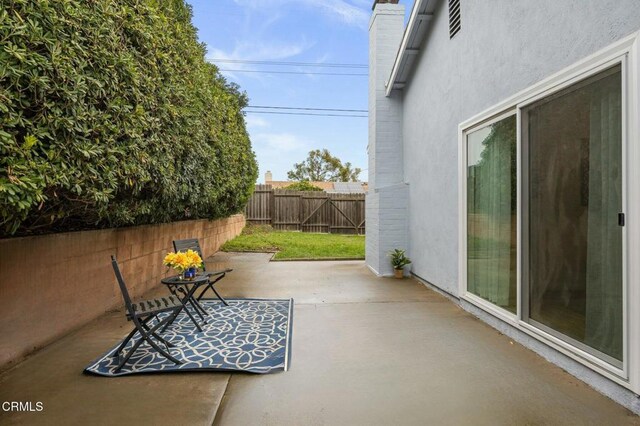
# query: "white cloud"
{"type": "Point", "coordinates": [278, 152]}
{"type": "Point", "coordinates": [263, 13]}
{"type": "Point", "coordinates": [366, 4]}
{"type": "Point", "coordinates": [255, 51]}
{"type": "Point", "coordinates": [256, 122]}
{"type": "Point", "coordinates": [353, 12]}
{"type": "Point", "coordinates": [347, 12]}
{"type": "Point", "coordinates": [279, 142]}
{"type": "Point", "coordinates": [260, 51]}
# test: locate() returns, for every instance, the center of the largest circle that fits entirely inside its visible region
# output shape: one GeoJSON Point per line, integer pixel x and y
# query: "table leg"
{"type": "Point", "coordinates": [198, 305]}
{"type": "Point", "coordinates": [186, 299]}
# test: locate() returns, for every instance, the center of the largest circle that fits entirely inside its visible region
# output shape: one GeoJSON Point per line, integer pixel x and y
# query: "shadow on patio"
{"type": "Point", "coordinates": [366, 350]}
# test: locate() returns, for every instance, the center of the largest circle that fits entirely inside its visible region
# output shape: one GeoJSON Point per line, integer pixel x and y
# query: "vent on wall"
{"type": "Point", "coordinates": [454, 17]}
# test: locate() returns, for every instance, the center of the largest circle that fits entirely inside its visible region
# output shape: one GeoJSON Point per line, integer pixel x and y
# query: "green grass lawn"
{"type": "Point", "coordinates": [297, 245]}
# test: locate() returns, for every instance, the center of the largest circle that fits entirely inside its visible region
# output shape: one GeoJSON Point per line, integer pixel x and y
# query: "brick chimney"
{"type": "Point", "coordinates": [268, 177]}
{"type": "Point", "coordinates": [387, 198]}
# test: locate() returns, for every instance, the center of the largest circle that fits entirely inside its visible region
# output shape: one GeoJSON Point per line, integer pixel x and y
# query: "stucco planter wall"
{"type": "Point", "coordinates": [52, 284]}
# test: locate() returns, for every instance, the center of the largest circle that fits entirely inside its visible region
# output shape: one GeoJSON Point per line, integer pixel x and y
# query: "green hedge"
{"type": "Point", "coordinates": [303, 185]}
{"type": "Point", "coordinates": [111, 116]}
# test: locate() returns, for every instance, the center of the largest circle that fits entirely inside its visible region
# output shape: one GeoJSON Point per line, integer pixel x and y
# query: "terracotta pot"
{"type": "Point", "coordinates": [399, 273]}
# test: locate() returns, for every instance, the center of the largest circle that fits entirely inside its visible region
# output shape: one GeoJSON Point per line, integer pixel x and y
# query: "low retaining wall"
{"type": "Point", "coordinates": [52, 284]}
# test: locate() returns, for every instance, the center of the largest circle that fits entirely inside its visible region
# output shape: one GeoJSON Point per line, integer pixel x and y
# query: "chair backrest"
{"type": "Point", "coordinates": [123, 287]}
{"type": "Point", "coordinates": [189, 244]}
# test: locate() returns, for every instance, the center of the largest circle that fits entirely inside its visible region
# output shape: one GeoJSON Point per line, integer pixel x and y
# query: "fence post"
{"type": "Point", "coordinates": [272, 206]}
{"type": "Point", "coordinates": [300, 212]}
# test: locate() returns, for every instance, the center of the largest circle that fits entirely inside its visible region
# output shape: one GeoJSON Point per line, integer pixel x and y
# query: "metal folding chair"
{"type": "Point", "coordinates": [141, 313]}
{"type": "Point", "coordinates": [193, 244]}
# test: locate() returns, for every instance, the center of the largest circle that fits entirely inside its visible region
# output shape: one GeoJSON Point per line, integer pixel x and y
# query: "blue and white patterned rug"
{"type": "Point", "coordinates": [252, 335]}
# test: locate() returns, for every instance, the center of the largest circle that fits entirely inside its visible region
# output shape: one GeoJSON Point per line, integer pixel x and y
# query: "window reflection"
{"type": "Point", "coordinates": [491, 213]}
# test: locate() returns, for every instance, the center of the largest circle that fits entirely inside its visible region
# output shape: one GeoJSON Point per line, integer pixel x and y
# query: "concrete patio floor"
{"type": "Point", "coordinates": [366, 350]}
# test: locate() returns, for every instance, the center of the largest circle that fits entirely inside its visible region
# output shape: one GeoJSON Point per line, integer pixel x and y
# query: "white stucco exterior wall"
{"type": "Point", "coordinates": [502, 48]}
{"type": "Point", "coordinates": [387, 199]}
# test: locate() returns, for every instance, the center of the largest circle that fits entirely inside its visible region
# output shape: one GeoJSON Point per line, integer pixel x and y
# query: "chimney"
{"type": "Point", "coordinates": [268, 177]}
{"type": "Point", "coordinates": [383, 2]}
{"type": "Point", "coordinates": [385, 113]}
{"type": "Point", "coordinates": [387, 198]}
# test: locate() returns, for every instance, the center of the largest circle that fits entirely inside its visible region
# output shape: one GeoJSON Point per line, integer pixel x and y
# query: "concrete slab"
{"type": "Point", "coordinates": [366, 350]}
{"type": "Point", "coordinates": [370, 350]}
{"type": "Point", "coordinates": [311, 282]}
{"type": "Point", "coordinates": [411, 363]}
{"type": "Point", "coordinates": [54, 377]}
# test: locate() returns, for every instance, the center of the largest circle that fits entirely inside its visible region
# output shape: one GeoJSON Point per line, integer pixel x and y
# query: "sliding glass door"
{"type": "Point", "coordinates": [573, 264]}
{"type": "Point", "coordinates": [570, 204]}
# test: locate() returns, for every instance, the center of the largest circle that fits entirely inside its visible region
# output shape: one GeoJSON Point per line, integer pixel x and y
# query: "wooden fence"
{"type": "Point", "coordinates": [306, 211]}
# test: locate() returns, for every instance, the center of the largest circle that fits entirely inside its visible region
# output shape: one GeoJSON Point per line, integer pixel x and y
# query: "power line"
{"type": "Point", "coordinates": [296, 72]}
{"type": "Point", "coordinates": [308, 109]}
{"type": "Point", "coordinates": [297, 64]}
{"type": "Point", "coordinates": [306, 113]}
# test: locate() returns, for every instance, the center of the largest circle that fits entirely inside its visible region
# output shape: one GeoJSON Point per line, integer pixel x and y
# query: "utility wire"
{"type": "Point", "coordinates": [296, 72]}
{"type": "Point", "coordinates": [308, 109]}
{"type": "Point", "coordinates": [297, 64]}
{"type": "Point", "coordinates": [306, 113]}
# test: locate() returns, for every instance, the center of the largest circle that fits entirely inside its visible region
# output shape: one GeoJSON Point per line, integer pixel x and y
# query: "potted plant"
{"type": "Point", "coordinates": [185, 263]}
{"type": "Point", "coordinates": [399, 260]}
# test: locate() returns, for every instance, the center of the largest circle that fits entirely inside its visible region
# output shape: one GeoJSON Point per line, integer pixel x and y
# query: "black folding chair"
{"type": "Point", "coordinates": [141, 313]}
{"type": "Point", "coordinates": [192, 243]}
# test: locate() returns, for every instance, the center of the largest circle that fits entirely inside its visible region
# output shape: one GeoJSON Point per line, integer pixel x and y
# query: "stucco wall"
{"type": "Point", "coordinates": [502, 48]}
{"type": "Point", "coordinates": [456, 79]}
{"type": "Point", "coordinates": [51, 284]}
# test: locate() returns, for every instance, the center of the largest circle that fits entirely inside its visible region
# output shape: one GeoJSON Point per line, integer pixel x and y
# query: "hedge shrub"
{"type": "Point", "coordinates": [111, 116]}
{"type": "Point", "coordinates": [303, 185]}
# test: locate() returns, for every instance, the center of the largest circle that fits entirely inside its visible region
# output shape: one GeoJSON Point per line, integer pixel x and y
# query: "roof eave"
{"type": "Point", "coordinates": [421, 14]}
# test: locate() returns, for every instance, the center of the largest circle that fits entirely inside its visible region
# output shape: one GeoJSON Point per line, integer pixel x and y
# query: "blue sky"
{"type": "Point", "coordinates": [325, 31]}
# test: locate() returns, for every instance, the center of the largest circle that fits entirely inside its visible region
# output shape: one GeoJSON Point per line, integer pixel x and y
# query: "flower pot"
{"type": "Point", "coordinates": [190, 273]}
{"type": "Point", "coordinates": [399, 273]}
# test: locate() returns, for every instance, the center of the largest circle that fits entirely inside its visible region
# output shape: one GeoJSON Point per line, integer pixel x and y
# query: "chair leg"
{"type": "Point", "coordinates": [201, 295]}
{"type": "Point", "coordinates": [219, 297]}
{"type": "Point", "coordinates": [195, 308]}
{"type": "Point", "coordinates": [129, 337]}
{"type": "Point", "coordinates": [210, 286]}
{"type": "Point", "coordinates": [157, 336]}
{"type": "Point", "coordinates": [167, 354]}
{"type": "Point", "coordinates": [167, 343]}
{"type": "Point", "coordinates": [200, 308]}
{"type": "Point", "coordinates": [146, 337]}
{"type": "Point", "coordinates": [131, 351]}
{"type": "Point", "coordinates": [192, 319]}
{"type": "Point", "coordinates": [173, 316]}
{"type": "Point", "coordinates": [125, 341]}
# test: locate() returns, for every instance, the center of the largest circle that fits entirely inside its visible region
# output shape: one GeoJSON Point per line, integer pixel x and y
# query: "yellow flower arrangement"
{"type": "Point", "coordinates": [182, 261]}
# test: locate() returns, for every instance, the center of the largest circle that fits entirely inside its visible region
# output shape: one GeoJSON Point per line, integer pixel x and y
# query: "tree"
{"type": "Point", "coordinates": [302, 186]}
{"type": "Point", "coordinates": [321, 166]}
{"type": "Point", "coordinates": [494, 176]}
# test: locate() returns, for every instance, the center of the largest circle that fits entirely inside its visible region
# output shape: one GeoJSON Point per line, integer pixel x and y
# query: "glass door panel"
{"type": "Point", "coordinates": [491, 213]}
{"type": "Point", "coordinates": [574, 194]}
